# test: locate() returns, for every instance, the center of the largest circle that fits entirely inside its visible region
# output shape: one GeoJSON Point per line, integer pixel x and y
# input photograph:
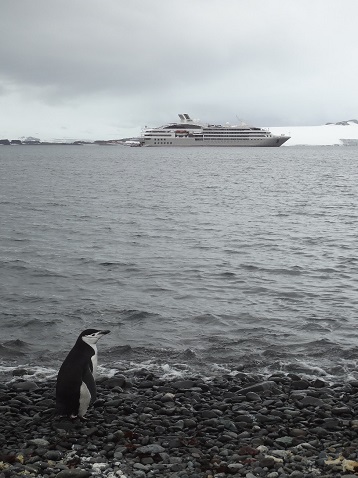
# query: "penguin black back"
{"type": "Point", "coordinates": [75, 386]}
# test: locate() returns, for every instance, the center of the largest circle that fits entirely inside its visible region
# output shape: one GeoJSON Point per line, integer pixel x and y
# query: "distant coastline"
{"type": "Point", "coordinates": [18, 142]}
{"type": "Point", "coordinates": [342, 133]}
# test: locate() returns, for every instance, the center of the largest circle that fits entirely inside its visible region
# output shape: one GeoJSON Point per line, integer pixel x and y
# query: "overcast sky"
{"type": "Point", "coordinates": [90, 69]}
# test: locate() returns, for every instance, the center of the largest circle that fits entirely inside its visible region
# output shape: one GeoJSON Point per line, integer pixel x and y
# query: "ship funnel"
{"type": "Point", "coordinates": [185, 118]}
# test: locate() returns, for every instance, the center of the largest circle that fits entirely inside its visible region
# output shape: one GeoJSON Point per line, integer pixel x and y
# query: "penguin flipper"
{"type": "Point", "coordinates": [68, 389]}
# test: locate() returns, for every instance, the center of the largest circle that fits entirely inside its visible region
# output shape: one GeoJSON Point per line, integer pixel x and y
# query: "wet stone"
{"type": "Point", "coordinates": [24, 386]}
{"type": "Point", "coordinates": [253, 397]}
{"type": "Point", "coordinates": [300, 385]}
{"type": "Point", "coordinates": [312, 401]}
{"type": "Point", "coordinates": [76, 473]}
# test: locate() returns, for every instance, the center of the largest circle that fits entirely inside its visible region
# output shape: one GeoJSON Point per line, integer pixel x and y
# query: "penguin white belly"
{"type": "Point", "coordinates": [85, 399]}
{"type": "Point", "coordinates": [94, 364]}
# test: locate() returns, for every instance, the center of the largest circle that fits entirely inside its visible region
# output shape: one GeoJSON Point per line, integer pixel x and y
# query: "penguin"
{"type": "Point", "coordinates": [75, 385]}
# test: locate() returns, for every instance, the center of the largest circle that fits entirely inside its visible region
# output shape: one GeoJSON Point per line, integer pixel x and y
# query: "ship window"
{"type": "Point", "coordinates": [181, 126]}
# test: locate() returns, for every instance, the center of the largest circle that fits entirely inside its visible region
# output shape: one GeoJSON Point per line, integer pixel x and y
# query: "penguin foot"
{"type": "Point", "coordinates": [74, 417]}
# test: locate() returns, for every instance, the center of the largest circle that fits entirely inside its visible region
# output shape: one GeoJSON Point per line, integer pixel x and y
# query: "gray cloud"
{"type": "Point", "coordinates": [124, 64]}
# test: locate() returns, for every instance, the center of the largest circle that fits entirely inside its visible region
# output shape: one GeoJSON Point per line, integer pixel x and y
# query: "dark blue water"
{"type": "Point", "coordinates": [210, 259]}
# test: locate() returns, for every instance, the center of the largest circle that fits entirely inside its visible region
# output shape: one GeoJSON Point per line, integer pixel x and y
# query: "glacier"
{"type": "Point", "coordinates": [322, 135]}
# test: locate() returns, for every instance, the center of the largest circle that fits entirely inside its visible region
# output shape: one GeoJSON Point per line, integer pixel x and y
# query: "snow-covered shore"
{"type": "Point", "coordinates": [330, 134]}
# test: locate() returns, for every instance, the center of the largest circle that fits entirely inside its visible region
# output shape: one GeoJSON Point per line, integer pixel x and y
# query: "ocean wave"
{"type": "Point", "coordinates": [16, 344]}
{"type": "Point", "coordinates": [17, 264]}
{"type": "Point", "coordinates": [168, 363]}
{"type": "Point", "coordinates": [291, 271]}
{"type": "Point", "coordinates": [40, 323]}
{"type": "Point", "coordinates": [134, 315]}
{"type": "Point", "coordinates": [14, 348]}
{"type": "Point", "coordinates": [208, 319]}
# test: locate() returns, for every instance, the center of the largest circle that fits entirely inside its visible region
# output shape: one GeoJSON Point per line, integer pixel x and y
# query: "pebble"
{"type": "Point", "coordinates": [73, 474]}
{"type": "Point", "coordinates": [284, 426]}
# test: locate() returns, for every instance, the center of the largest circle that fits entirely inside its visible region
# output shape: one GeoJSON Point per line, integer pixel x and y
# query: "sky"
{"type": "Point", "coordinates": [89, 69]}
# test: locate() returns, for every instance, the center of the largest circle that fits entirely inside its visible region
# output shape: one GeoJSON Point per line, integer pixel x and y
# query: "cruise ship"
{"type": "Point", "coordinates": [187, 132]}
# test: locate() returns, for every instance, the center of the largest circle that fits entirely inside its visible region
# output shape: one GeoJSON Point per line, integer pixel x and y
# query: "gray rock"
{"type": "Point", "coordinates": [183, 384]}
{"type": "Point", "coordinates": [24, 386]}
{"type": "Point", "coordinates": [167, 397]}
{"type": "Point", "coordinates": [286, 441]}
{"type": "Point", "coordinates": [116, 381]}
{"type": "Point", "coordinates": [39, 442]}
{"type": "Point", "coordinates": [319, 431]}
{"type": "Point", "coordinates": [331, 424]}
{"type": "Point", "coordinates": [141, 466]}
{"type": "Point", "coordinates": [341, 411]}
{"type": "Point", "coordinates": [114, 403]}
{"type": "Point", "coordinates": [20, 371]}
{"type": "Point", "coordinates": [312, 401]}
{"type": "Point", "coordinates": [229, 425]}
{"type": "Point", "coordinates": [296, 474]}
{"type": "Point", "coordinates": [253, 397]}
{"type": "Point", "coordinates": [258, 387]}
{"type": "Point", "coordinates": [189, 423]}
{"type": "Point", "coordinates": [298, 432]}
{"type": "Point", "coordinates": [209, 414]}
{"type": "Point", "coordinates": [150, 449]}
{"type": "Point", "coordinates": [53, 455]}
{"type": "Point", "coordinates": [75, 473]}
{"type": "Point", "coordinates": [300, 385]}
{"type": "Point", "coordinates": [267, 462]}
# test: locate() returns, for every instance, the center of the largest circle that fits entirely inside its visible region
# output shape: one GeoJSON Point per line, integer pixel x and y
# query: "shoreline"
{"type": "Point", "coordinates": [144, 426]}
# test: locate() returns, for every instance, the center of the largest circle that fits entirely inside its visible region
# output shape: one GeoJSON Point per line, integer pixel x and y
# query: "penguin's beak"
{"type": "Point", "coordinates": [104, 332]}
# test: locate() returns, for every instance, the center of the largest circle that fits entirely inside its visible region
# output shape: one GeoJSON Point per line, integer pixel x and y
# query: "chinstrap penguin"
{"type": "Point", "coordinates": [75, 386]}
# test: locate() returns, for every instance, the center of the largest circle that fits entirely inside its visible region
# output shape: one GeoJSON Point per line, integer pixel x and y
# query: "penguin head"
{"type": "Point", "coordinates": [91, 336]}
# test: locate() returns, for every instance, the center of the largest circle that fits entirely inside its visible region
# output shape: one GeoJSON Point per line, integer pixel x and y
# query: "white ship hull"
{"type": "Point", "coordinates": [188, 133]}
{"type": "Point", "coordinates": [273, 141]}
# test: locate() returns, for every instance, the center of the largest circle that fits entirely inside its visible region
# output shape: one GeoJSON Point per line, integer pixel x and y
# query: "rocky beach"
{"type": "Point", "coordinates": [141, 425]}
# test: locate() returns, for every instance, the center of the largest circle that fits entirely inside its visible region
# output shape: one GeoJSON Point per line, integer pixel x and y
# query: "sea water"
{"type": "Point", "coordinates": [205, 260]}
